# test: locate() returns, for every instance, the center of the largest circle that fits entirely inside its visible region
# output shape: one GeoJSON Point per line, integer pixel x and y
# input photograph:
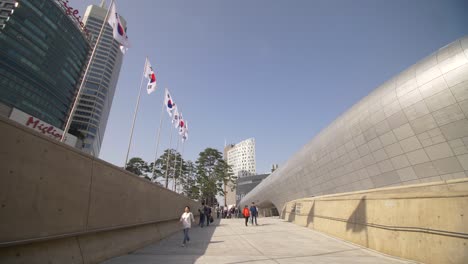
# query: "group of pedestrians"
{"type": "Point", "coordinates": [187, 218]}
{"type": "Point", "coordinates": [232, 212]}
{"type": "Point", "coordinates": [205, 215]}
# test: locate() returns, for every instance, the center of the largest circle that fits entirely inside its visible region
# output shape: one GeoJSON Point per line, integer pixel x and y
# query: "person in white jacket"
{"type": "Point", "coordinates": [186, 219]}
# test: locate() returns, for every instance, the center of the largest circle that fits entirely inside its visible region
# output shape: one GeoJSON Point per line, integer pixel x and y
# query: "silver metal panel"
{"type": "Point", "coordinates": [403, 131]}
{"type": "Point", "coordinates": [460, 91]}
{"type": "Point", "coordinates": [456, 76]}
{"type": "Point", "coordinates": [448, 115]}
{"type": "Point", "coordinates": [394, 150]}
{"type": "Point", "coordinates": [383, 127]}
{"type": "Point", "coordinates": [386, 179]}
{"type": "Point", "coordinates": [457, 129]}
{"type": "Point", "coordinates": [463, 159]}
{"type": "Point", "coordinates": [439, 151]}
{"type": "Point", "coordinates": [388, 138]}
{"type": "Point", "coordinates": [417, 156]}
{"type": "Point", "coordinates": [380, 155]}
{"type": "Point", "coordinates": [407, 174]}
{"type": "Point", "coordinates": [410, 144]}
{"type": "Point", "coordinates": [400, 162]}
{"type": "Point", "coordinates": [425, 170]}
{"type": "Point", "coordinates": [433, 87]}
{"type": "Point", "coordinates": [410, 98]}
{"type": "Point", "coordinates": [416, 111]}
{"type": "Point", "coordinates": [424, 123]}
{"type": "Point", "coordinates": [440, 100]}
{"type": "Point", "coordinates": [451, 57]}
{"type": "Point", "coordinates": [407, 87]}
{"type": "Point", "coordinates": [458, 147]}
{"type": "Point", "coordinates": [385, 166]}
{"type": "Point", "coordinates": [448, 165]}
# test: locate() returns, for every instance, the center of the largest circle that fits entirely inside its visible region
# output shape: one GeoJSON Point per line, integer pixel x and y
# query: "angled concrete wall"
{"type": "Point", "coordinates": [72, 205]}
{"type": "Point", "coordinates": [422, 222]}
{"type": "Point", "coordinates": [412, 129]}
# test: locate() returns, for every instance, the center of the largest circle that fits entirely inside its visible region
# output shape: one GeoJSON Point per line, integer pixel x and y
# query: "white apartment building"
{"type": "Point", "coordinates": [241, 157]}
{"type": "Point", "coordinates": [100, 83]}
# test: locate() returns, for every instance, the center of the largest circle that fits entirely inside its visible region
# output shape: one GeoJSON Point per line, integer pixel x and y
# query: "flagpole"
{"type": "Point", "coordinates": [168, 157]}
{"type": "Point", "coordinates": [135, 113]}
{"type": "Point", "coordinates": [157, 144]}
{"type": "Point", "coordinates": [180, 171]}
{"type": "Point", "coordinates": [75, 104]}
{"type": "Point", "coordinates": [175, 163]}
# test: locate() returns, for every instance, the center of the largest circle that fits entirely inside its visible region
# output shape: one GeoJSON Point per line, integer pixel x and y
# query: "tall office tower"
{"type": "Point", "coordinates": [241, 157]}
{"type": "Point", "coordinates": [100, 82]}
{"type": "Point", "coordinates": [43, 52]}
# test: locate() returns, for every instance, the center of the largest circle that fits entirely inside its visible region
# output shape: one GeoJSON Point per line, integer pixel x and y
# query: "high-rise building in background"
{"type": "Point", "coordinates": [100, 83]}
{"type": "Point", "coordinates": [241, 157]}
{"type": "Point", "coordinates": [43, 53]}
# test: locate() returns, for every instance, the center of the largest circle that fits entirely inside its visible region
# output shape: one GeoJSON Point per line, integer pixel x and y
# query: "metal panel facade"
{"type": "Point", "coordinates": [412, 129]}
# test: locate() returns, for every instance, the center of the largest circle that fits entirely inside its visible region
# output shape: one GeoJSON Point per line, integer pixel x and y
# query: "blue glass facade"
{"type": "Point", "coordinates": [44, 54]}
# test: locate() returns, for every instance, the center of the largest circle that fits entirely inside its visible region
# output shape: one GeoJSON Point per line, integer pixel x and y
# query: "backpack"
{"type": "Point", "coordinates": [246, 212]}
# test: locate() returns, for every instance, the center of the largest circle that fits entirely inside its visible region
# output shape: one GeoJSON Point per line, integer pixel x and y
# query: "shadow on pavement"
{"type": "Point", "coordinates": [170, 249]}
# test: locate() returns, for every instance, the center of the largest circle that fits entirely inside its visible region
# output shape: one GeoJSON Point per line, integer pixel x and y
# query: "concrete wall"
{"type": "Point", "coordinates": [59, 203]}
{"type": "Point", "coordinates": [411, 129]}
{"type": "Point", "coordinates": [423, 222]}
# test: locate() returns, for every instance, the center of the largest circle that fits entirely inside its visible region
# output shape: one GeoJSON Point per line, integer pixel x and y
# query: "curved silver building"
{"type": "Point", "coordinates": [412, 129]}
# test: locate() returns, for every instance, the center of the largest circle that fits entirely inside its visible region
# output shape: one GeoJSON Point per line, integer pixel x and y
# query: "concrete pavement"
{"type": "Point", "coordinates": [272, 241]}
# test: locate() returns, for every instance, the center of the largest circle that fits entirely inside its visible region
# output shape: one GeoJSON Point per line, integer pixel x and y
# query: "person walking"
{"type": "Point", "coordinates": [207, 212]}
{"type": "Point", "coordinates": [201, 210]}
{"type": "Point", "coordinates": [246, 214]}
{"type": "Point", "coordinates": [186, 219]}
{"type": "Point", "coordinates": [253, 213]}
{"type": "Point", "coordinates": [225, 212]}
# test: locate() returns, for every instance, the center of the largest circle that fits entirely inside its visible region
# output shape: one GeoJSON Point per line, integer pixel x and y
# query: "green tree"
{"type": "Point", "coordinates": [154, 173]}
{"type": "Point", "coordinates": [210, 170]}
{"type": "Point", "coordinates": [168, 166]}
{"type": "Point", "coordinates": [138, 166]}
{"type": "Point", "coordinates": [227, 177]}
{"type": "Point", "coordinates": [188, 180]}
{"type": "Point", "coordinates": [179, 169]}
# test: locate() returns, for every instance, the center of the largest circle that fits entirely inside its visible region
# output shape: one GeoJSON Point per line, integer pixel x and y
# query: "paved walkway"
{"type": "Point", "coordinates": [273, 241]}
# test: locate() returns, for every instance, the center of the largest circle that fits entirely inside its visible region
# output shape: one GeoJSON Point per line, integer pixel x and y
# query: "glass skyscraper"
{"type": "Point", "coordinates": [100, 83]}
{"type": "Point", "coordinates": [43, 54]}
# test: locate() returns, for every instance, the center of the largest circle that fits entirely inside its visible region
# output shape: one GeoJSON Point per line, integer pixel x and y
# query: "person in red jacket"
{"type": "Point", "coordinates": [246, 214]}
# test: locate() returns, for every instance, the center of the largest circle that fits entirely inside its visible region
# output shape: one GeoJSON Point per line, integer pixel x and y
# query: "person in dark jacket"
{"type": "Point", "coordinates": [253, 213]}
{"type": "Point", "coordinates": [207, 213]}
{"type": "Point", "coordinates": [201, 210]}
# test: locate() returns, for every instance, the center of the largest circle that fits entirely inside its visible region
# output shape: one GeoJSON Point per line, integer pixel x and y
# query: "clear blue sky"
{"type": "Point", "coordinates": [278, 71]}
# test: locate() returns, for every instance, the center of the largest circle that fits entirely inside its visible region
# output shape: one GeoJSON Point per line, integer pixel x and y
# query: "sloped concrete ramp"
{"type": "Point", "coordinates": [272, 241]}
